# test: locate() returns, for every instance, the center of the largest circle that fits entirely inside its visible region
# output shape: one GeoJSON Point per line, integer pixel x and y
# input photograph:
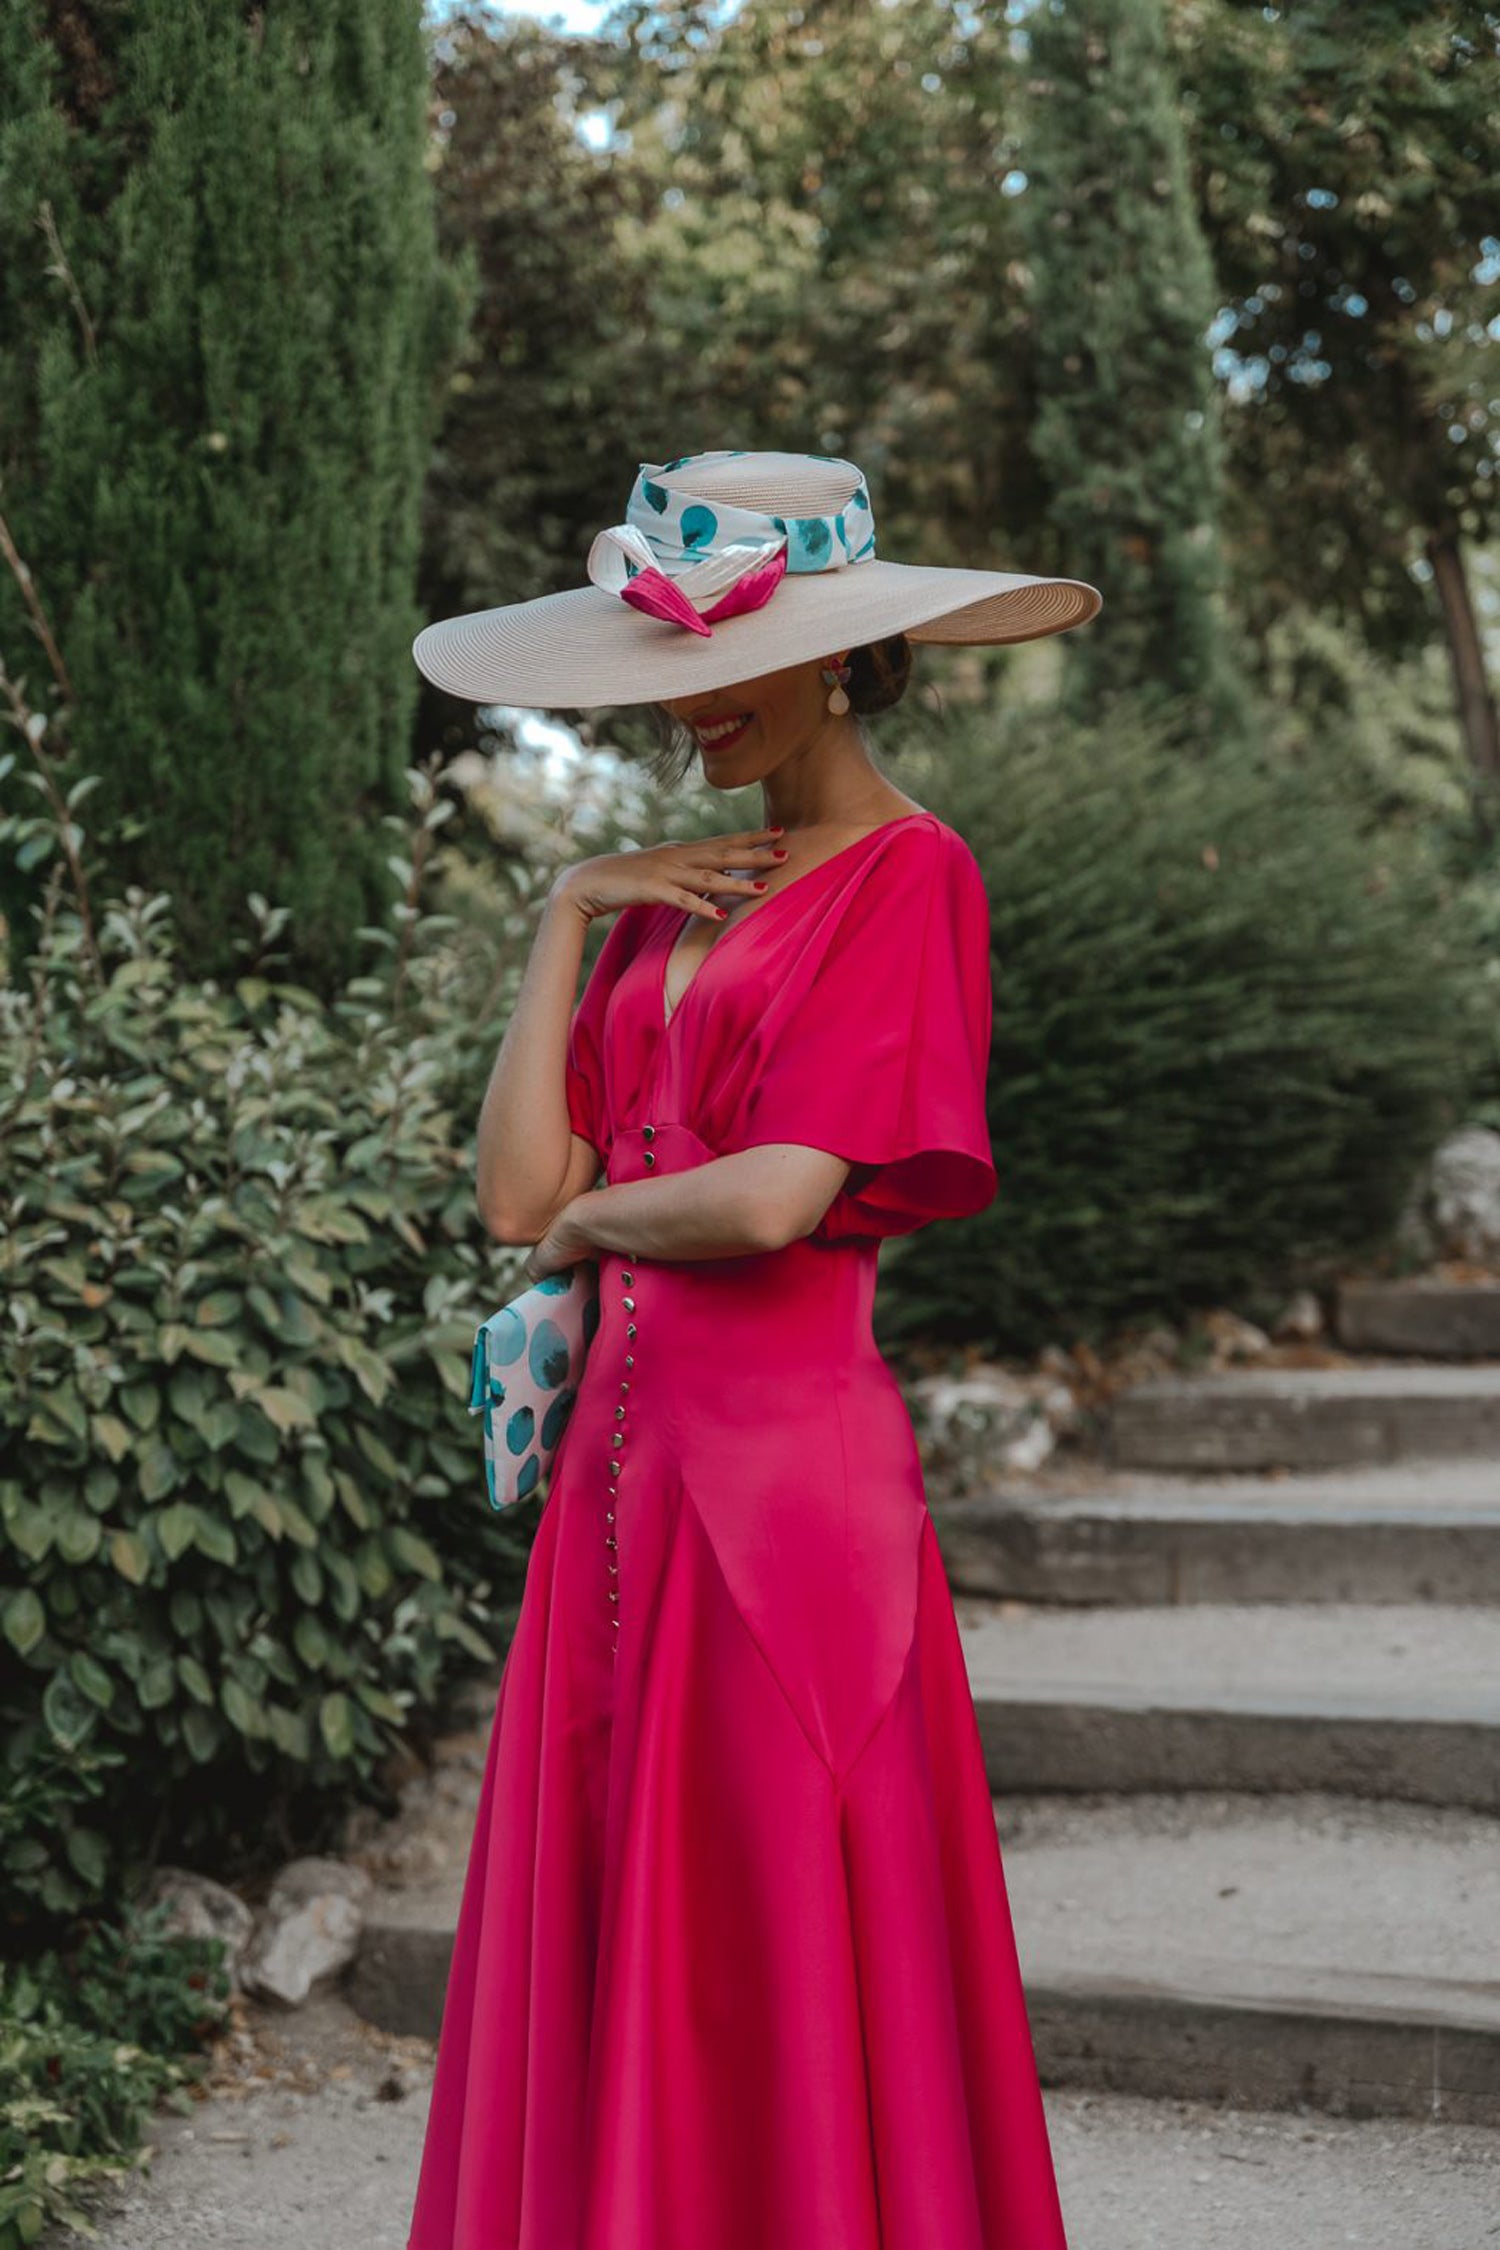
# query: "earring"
{"type": "Point", "coordinates": [834, 676]}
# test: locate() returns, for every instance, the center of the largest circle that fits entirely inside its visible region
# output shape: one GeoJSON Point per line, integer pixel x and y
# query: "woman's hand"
{"type": "Point", "coordinates": [562, 1245]}
{"type": "Point", "coordinates": [671, 874]}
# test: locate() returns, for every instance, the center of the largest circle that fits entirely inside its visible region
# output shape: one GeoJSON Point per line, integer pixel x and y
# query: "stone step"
{"type": "Point", "coordinates": [1392, 1534]}
{"type": "Point", "coordinates": [1271, 1953]}
{"type": "Point", "coordinates": [1437, 1319]}
{"type": "Point", "coordinates": [1308, 1418]}
{"type": "Point", "coordinates": [1393, 1701]}
{"type": "Point", "coordinates": [1313, 1952]}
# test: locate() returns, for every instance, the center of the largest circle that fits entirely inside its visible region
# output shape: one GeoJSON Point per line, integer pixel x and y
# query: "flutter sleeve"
{"type": "Point", "coordinates": [883, 1059]}
{"type": "Point", "coordinates": [585, 1076]}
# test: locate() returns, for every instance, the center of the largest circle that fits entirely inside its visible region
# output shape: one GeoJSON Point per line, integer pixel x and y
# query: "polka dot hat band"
{"type": "Point", "coordinates": [690, 560]}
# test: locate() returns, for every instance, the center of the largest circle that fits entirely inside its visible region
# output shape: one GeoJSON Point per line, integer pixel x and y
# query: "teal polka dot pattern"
{"type": "Point", "coordinates": [524, 1375]}
{"type": "Point", "coordinates": [699, 526]}
{"type": "Point", "coordinates": [812, 540]}
{"type": "Point", "coordinates": [683, 531]}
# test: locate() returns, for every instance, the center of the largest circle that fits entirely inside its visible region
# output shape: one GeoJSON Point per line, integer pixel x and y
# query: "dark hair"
{"type": "Point", "coordinates": [878, 674]}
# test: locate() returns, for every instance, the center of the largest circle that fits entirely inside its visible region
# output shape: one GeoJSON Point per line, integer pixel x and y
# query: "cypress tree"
{"type": "Point", "coordinates": [224, 325]}
{"type": "Point", "coordinates": [1126, 428]}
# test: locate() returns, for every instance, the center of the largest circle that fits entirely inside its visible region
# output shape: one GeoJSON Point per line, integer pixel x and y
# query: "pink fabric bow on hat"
{"type": "Point", "coordinates": [622, 562]}
{"type": "Point", "coordinates": [692, 560]}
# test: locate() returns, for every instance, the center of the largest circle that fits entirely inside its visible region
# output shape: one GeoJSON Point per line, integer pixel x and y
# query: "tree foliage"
{"type": "Point", "coordinates": [222, 322]}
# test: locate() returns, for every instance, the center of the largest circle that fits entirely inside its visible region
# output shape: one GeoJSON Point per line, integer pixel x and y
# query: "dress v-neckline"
{"type": "Point", "coordinates": [669, 1015]}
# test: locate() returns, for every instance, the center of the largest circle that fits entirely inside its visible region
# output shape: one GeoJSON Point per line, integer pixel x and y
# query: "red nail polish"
{"type": "Point", "coordinates": [721, 911]}
{"type": "Point", "coordinates": [757, 886]}
{"type": "Point", "coordinates": [778, 854]}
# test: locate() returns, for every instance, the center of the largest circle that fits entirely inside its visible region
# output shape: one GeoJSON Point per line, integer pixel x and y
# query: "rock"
{"type": "Point", "coordinates": [1463, 1195]}
{"type": "Point", "coordinates": [991, 1419]}
{"type": "Point", "coordinates": [198, 1907]}
{"type": "Point", "coordinates": [1301, 1319]}
{"type": "Point", "coordinates": [308, 1930]}
{"type": "Point", "coordinates": [1233, 1338]}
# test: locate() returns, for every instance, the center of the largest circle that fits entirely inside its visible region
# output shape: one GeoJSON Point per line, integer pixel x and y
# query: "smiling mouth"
{"type": "Point", "coordinates": [723, 732]}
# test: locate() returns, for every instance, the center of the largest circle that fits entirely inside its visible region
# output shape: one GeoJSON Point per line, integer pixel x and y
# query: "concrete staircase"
{"type": "Point", "coordinates": [1239, 1692]}
{"type": "Point", "coordinates": [1240, 1695]}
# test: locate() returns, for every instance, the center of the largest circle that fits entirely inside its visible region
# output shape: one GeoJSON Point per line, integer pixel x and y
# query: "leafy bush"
{"type": "Point", "coordinates": [240, 1496]}
{"type": "Point", "coordinates": [1233, 1015]}
{"type": "Point", "coordinates": [90, 2041]}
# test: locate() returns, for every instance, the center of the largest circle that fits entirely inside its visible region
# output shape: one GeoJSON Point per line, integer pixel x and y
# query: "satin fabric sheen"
{"type": "Point", "coordinates": [735, 1967]}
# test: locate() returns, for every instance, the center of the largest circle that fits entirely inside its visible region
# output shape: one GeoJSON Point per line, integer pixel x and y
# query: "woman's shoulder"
{"type": "Point", "coordinates": [924, 841]}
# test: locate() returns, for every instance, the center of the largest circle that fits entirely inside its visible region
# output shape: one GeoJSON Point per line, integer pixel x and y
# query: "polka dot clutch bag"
{"type": "Point", "coordinates": [527, 1365]}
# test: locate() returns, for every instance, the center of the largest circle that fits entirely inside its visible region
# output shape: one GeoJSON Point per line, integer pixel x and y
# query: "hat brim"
{"type": "Point", "coordinates": [584, 648]}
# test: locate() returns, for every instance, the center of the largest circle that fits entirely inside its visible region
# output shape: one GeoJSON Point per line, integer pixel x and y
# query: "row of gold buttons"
{"type": "Point", "coordinates": [617, 1440]}
{"type": "Point", "coordinates": [648, 1133]}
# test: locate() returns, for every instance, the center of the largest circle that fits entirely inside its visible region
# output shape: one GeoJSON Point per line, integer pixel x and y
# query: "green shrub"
{"type": "Point", "coordinates": [241, 1501]}
{"type": "Point", "coordinates": [1232, 1016]}
{"type": "Point", "coordinates": [90, 2042]}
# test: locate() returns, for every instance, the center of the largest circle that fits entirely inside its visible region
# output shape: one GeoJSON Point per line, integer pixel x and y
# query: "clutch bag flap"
{"type": "Point", "coordinates": [524, 1377]}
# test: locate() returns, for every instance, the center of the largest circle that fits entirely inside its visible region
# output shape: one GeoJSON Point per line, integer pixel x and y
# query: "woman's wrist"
{"type": "Point", "coordinates": [570, 1229]}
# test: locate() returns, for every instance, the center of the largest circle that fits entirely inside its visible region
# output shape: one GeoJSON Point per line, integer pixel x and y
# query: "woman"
{"type": "Point", "coordinates": [735, 1968]}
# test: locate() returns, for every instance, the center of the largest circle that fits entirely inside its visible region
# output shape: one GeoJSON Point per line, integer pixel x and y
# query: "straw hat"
{"type": "Point", "coordinates": [730, 565]}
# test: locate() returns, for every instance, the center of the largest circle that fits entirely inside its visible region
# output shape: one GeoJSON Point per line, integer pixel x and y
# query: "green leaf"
{"type": "Point", "coordinates": [142, 1402]}
{"type": "Point", "coordinates": [101, 1488]}
{"type": "Point", "coordinates": [356, 1507]}
{"type": "Point", "coordinates": [242, 1711]}
{"type": "Point", "coordinates": [286, 1409]}
{"type": "Point", "coordinates": [369, 1370]}
{"type": "Point", "coordinates": [69, 1718]}
{"type": "Point", "coordinates": [289, 1732]}
{"type": "Point", "coordinates": [25, 1621]}
{"type": "Point", "coordinates": [241, 1492]}
{"type": "Point", "coordinates": [111, 1436]}
{"type": "Point", "coordinates": [156, 1684]}
{"type": "Point", "coordinates": [375, 1573]}
{"type": "Point", "coordinates": [175, 1527]}
{"type": "Point", "coordinates": [195, 1679]}
{"type": "Point", "coordinates": [212, 1346]}
{"type": "Point", "coordinates": [306, 1577]}
{"type": "Point", "coordinates": [412, 1552]}
{"type": "Point", "coordinates": [213, 1538]}
{"type": "Point", "coordinates": [266, 1509]}
{"type": "Point", "coordinates": [378, 1454]}
{"type": "Point", "coordinates": [158, 1470]}
{"type": "Point", "coordinates": [310, 1641]}
{"type": "Point", "coordinates": [64, 1406]}
{"type": "Point", "coordinates": [91, 1679]}
{"type": "Point", "coordinates": [129, 1556]}
{"type": "Point", "coordinates": [89, 1856]}
{"type": "Point", "coordinates": [201, 1732]}
{"type": "Point", "coordinates": [295, 1523]}
{"type": "Point", "coordinates": [219, 1309]}
{"type": "Point", "coordinates": [31, 1531]}
{"type": "Point", "coordinates": [336, 1722]}
{"type": "Point", "coordinates": [78, 1536]}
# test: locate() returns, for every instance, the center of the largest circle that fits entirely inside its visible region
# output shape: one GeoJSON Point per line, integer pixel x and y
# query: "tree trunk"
{"type": "Point", "coordinates": [1476, 703]}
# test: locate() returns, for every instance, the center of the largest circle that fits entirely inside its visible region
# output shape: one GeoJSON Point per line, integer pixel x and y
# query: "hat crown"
{"type": "Point", "coordinates": [773, 484]}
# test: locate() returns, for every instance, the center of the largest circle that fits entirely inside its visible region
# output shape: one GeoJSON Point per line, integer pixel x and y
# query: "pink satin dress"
{"type": "Point", "coordinates": [735, 1967]}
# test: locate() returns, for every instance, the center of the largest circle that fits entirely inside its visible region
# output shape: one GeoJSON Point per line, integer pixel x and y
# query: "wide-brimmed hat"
{"type": "Point", "coordinates": [730, 565]}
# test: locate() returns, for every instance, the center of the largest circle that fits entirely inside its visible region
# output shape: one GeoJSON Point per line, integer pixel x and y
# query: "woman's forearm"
{"type": "Point", "coordinates": [524, 1135]}
{"type": "Point", "coordinates": [733, 1206]}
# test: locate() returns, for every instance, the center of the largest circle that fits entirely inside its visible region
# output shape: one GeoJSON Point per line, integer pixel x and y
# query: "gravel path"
{"type": "Point", "coordinates": [320, 2153]}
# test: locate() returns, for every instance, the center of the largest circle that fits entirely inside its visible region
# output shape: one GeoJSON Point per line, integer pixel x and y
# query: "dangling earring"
{"type": "Point", "coordinates": [834, 676]}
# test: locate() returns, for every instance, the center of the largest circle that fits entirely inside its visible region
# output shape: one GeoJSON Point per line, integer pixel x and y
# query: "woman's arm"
{"type": "Point", "coordinates": [529, 1159]}
{"type": "Point", "coordinates": [734, 1206]}
{"type": "Point", "coordinates": [530, 1163]}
